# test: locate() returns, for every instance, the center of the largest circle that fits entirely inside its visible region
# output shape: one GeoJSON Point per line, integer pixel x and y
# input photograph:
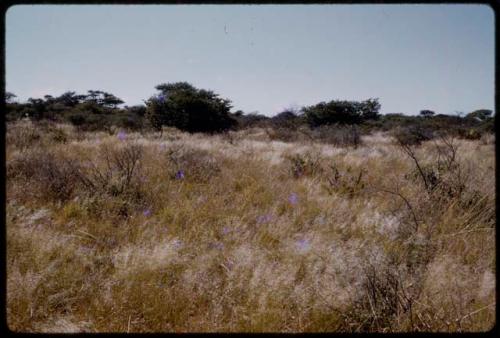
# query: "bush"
{"type": "Point", "coordinates": [192, 164]}
{"type": "Point", "coordinates": [342, 136]}
{"type": "Point", "coordinates": [304, 165]}
{"type": "Point", "coordinates": [413, 135]}
{"type": "Point", "coordinates": [119, 175]}
{"type": "Point", "coordinates": [55, 177]}
{"type": "Point", "coordinates": [22, 135]}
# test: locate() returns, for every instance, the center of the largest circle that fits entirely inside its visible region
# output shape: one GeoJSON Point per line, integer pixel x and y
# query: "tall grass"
{"type": "Point", "coordinates": [242, 233]}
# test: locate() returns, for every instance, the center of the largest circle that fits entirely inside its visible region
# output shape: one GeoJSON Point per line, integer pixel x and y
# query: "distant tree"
{"type": "Point", "coordinates": [286, 119]}
{"type": "Point", "coordinates": [109, 100]}
{"type": "Point", "coordinates": [342, 112]}
{"type": "Point", "coordinates": [427, 113]}
{"type": "Point", "coordinates": [480, 114]}
{"type": "Point", "coordinates": [9, 97]}
{"type": "Point", "coordinates": [370, 109]}
{"type": "Point", "coordinates": [69, 99]}
{"type": "Point", "coordinates": [183, 106]}
{"type": "Point", "coordinates": [38, 108]}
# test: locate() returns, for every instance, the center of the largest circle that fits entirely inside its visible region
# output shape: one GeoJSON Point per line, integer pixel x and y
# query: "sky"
{"type": "Point", "coordinates": [264, 58]}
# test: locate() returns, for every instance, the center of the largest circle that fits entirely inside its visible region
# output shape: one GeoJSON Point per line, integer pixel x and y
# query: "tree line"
{"type": "Point", "coordinates": [191, 109]}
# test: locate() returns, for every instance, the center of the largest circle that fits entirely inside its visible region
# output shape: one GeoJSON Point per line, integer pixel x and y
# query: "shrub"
{"type": "Point", "coordinates": [304, 165]}
{"type": "Point", "coordinates": [350, 182]}
{"type": "Point", "coordinates": [120, 173]}
{"type": "Point", "coordinates": [55, 177]}
{"type": "Point", "coordinates": [413, 135]}
{"type": "Point", "coordinates": [192, 164]}
{"type": "Point", "coordinates": [22, 135]}
{"type": "Point", "coordinates": [283, 134]}
{"type": "Point", "coordinates": [342, 136]}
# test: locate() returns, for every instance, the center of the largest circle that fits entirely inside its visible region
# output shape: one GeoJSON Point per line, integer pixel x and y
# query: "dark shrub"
{"type": "Point", "coordinates": [195, 165]}
{"type": "Point", "coordinates": [342, 136]}
{"type": "Point", "coordinates": [413, 135]}
{"type": "Point", "coordinates": [55, 177]}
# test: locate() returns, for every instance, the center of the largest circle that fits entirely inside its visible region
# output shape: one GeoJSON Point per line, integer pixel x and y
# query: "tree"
{"type": "Point", "coordinates": [183, 106]}
{"type": "Point", "coordinates": [69, 99]}
{"type": "Point", "coordinates": [370, 109]}
{"type": "Point", "coordinates": [9, 97]}
{"type": "Point", "coordinates": [480, 114]}
{"type": "Point", "coordinates": [286, 119]}
{"type": "Point", "coordinates": [342, 112]}
{"type": "Point", "coordinates": [38, 108]}
{"type": "Point", "coordinates": [109, 100]}
{"type": "Point", "coordinates": [427, 113]}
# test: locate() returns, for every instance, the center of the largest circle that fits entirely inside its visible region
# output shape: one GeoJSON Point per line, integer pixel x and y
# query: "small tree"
{"type": "Point", "coordinates": [183, 106]}
{"type": "Point", "coordinates": [342, 112]}
{"type": "Point", "coordinates": [480, 114]}
{"type": "Point", "coordinates": [427, 113]}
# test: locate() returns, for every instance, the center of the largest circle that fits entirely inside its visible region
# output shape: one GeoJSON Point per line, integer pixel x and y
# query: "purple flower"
{"type": "Point", "coordinates": [303, 245]}
{"type": "Point", "coordinates": [163, 146]}
{"type": "Point", "coordinates": [122, 135]}
{"type": "Point", "coordinates": [179, 175]}
{"type": "Point", "coordinates": [226, 230]}
{"type": "Point", "coordinates": [264, 219]}
{"type": "Point", "coordinates": [293, 198]}
{"type": "Point", "coordinates": [147, 212]}
{"type": "Point", "coordinates": [161, 98]}
{"type": "Point", "coordinates": [177, 243]}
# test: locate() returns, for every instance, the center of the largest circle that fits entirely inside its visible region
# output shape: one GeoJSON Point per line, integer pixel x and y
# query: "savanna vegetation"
{"type": "Point", "coordinates": [181, 216]}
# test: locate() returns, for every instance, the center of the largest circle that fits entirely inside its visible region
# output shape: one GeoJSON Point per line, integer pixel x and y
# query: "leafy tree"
{"type": "Point", "coordinates": [109, 100]}
{"type": "Point", "coordinates": [286, 119]}
{"type": "Point", "coordinates": [38, 108]}
{"type": "Point", "coordinates": [480, 114]}
{"type": "Point", "coordinates": [370, 109]}
{"type": "Point", "coordinates": [183, 106]}
{"type": "Point", "coordinates": [69, 99]}
{"type": "Point", "coordinates": [427, 113]}
{"type": "Point", "coordinates": [342, 112]}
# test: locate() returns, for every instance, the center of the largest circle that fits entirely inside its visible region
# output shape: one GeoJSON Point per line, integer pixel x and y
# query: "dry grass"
{"type": "Point", "coordinates": [106, 235]}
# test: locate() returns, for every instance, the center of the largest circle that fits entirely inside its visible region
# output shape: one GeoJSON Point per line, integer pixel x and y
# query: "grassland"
{"type": "Point", "coordinates": [133, 232]}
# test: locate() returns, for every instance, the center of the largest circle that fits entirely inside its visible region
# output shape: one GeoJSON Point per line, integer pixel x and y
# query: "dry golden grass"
{"type": "Point", "coordinates": [105, 235]}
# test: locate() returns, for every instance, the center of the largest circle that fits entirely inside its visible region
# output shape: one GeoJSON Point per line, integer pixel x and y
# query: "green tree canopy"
{"type": "Point", "coordinates": [480, 114]}
{"type": "Point", "coordinates": [183, 106]}
{"type": "Point", "coordinates": [342, 112]}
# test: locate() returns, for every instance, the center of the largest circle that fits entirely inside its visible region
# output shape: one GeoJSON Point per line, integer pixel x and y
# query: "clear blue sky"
{"type": "Point", "coordinates": [262, 57]}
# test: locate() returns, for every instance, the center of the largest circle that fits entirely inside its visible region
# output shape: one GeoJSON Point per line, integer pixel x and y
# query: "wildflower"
{"type": "Point", "coordinates": [122, 135]}
{"type": "Point", "coordinates": [161, 98]}
{"type": "Point", "coordinates": [179, 175]}
{"type": "Point", "coordinates": [264, 219]}
{"type": "Point", "coordinates": [226, 230]}
{"type": "Point", "coordinates": [147, 212]}
{"type": "Point", "coordinates": [293, 198]}
{"type": "Point", "coordinates": [163, 146]}
{"type": "Point", "coordinates": [303, 245]}
{"type": "Point", "coordinates": [177, 243]}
